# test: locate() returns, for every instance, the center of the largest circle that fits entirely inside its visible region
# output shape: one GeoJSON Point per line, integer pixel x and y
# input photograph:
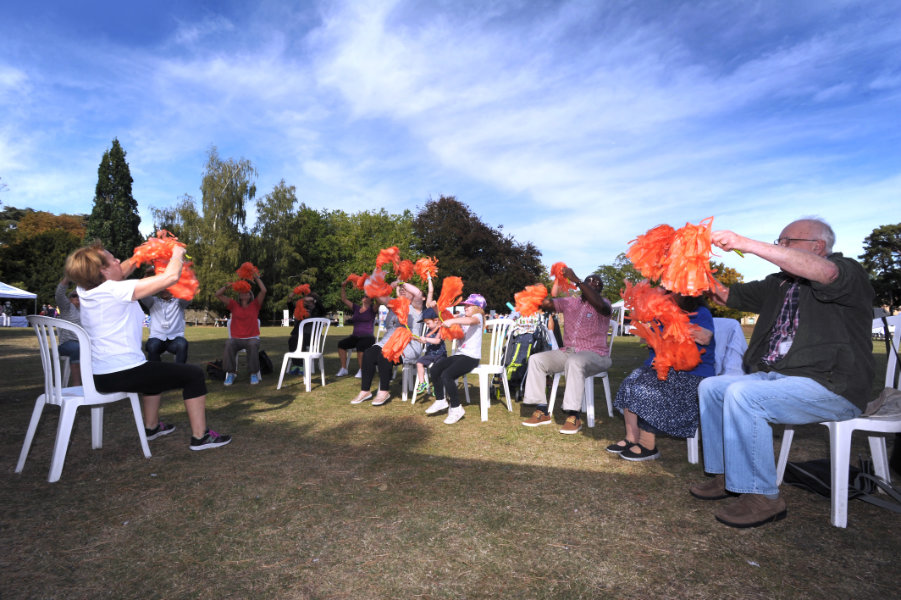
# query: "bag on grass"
{"type": "Point", "coordinates": [816, 476]}
{"type": "Point", "coordinates": [265, 363]}
{"type": "Point", "coordinates": [215, 371]}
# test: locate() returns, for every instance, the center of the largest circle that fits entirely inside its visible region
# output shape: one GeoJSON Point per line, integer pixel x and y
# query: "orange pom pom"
{"type": "Point", "coordinates": [157, 248]}
{"type": "Point", "coordinates": [451, 293]}
{"type": "Point", "coordinates": [404, 270]}
{"type": "Point", "coordinates": [648, 252]}
{"type": "Point", "coordinates": [528, 301]}
{"type": "Point", "coordinates": [376, 287]}
{"type": "Point", "coordinates": [302, 290]}
{"type": "Point", "coordinates": [426, 267]}
{"type": "Point", "coordinates": [563, 284]}
{"type": "Point", "coordinates": [300, 311]}
{"type": "Point", "coordinates": [401, 307]}
{"type": "Point", "coordinates": [241, 286]}
{"type": "Point", "coordinates": [388, 255]}
{"type": "Point", "coordinates": [394, 346]}
{"type": "Point", "coordinates": [688, 267]}
{"type": "Point", "coordinates": [247, 271]}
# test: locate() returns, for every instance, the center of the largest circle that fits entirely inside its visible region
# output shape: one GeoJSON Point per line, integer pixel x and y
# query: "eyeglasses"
{"type": "Point", "coordinates": [789, 241]}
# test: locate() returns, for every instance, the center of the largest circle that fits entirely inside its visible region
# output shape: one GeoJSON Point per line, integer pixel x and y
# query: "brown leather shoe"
{"type": "Point", "coordinates": [751, 510]}
{"type": "Point", "coordinates": [538, 418]}
{"type": "Point", "coordinates": [572, 425]}
{"type": "Point", "coordinates": [713, 488]}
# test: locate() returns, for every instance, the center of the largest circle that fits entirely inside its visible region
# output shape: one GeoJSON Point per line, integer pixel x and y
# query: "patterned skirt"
{"type": "Point", "coordinates": [669, 407]}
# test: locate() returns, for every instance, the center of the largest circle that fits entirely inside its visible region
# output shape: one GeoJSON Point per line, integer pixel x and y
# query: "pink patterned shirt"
{"type": "Point", "coordinates": [583, 327]}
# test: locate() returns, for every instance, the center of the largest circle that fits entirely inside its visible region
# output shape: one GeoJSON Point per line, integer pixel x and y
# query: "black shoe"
{"type": "Point", "coordinates": [160, 430]}
{"type": "Point", "coordinates": [642, 454]}
{"type": "Point", "coordinates": [210, 439]}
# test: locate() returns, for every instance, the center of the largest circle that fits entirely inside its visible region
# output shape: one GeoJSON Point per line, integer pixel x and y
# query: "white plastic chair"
{"type": "Point", "coordinates": [70, 398]}
{"type": "Point", "coordinates": [730, 348]}
{"type": "Point", "coordinates": [588, 395]}
{"type": "Point", "coordinates": [501, 330]}
{"type": "Point", "coordinates": [840, 433]}
{"type": "Point", "coordinates": [316, 350]}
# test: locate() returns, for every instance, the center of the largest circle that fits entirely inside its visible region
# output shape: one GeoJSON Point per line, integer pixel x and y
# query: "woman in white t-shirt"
{"type": "Point", "coordinates": [111, 315]}
{"type": "Point", "coordinates": [445, 372]}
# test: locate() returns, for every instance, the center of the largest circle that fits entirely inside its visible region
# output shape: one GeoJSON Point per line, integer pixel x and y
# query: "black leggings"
{"type": "Point", "coordinates": [445, 372]}
{"type": "Point", "coordinates": [154, 378]}
{"type": "Point", "coordinates": [372, 360]}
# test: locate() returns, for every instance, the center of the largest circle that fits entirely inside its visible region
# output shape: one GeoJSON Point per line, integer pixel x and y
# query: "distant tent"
{"type": "Point", "coordinates": [8, 291]}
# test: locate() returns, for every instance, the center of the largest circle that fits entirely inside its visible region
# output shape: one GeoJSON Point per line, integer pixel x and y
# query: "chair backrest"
{"type": "Point", "coordinates": [47, 339]}
{"type": "Point", "coordinates": [895, 333]}
{"type": "Point", "coordinates": [501, 330]}
{"type": "Point", "coordinates": [319, 330]}
{"type": "Point", "coordinates": [730, 346]}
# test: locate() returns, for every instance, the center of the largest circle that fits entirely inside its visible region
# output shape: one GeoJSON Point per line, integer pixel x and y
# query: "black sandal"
{"type": "Point", "coordinates": [616, 448]}
{"type": "Point", "coordinates": [642, 454]}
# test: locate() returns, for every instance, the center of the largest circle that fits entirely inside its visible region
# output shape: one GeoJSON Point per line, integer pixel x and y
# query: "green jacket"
{"type": "Point", "coordinates": [833, 344]}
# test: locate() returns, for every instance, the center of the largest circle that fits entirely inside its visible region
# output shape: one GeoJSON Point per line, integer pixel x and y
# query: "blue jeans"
{"type": "Point", "coordinates": [736, 416]}
{"type": "Point", "coordinates": [178, 346]}
{"type": "Point", "coordinates": [71, 350]}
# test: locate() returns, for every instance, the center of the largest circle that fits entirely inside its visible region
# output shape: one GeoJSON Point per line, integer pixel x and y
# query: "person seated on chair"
{"type": "Point", "coordinates": [373, 359]}
{"type": "Point", "coordinates": [810, 359]}
{"type": "Point", "coordinates": [651, 406]}
{"type": "Point", "coordinates": [435, 348]}
{"type": "Point", "coordinates": [68, 304]}
{"type": "Point", "coordinates": [244, 333]}
{"type": "Point", "coordinates": [586, 320]}
{"type": "Point", "coordinates": [113, 318]}
{"type": "Point", "coordinates": [313, 305]}
{"type": "Point", "coordinates": [167, 326]}
{"type": "Point", "coordinates": [361, 338]}
{"type": "Point", "coordinates": [447, 370]}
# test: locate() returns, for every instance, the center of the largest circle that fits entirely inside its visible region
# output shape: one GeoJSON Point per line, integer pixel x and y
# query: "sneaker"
{"type": "Point", "coordinates": [229, 378]}
{"type": "Point", "coordinates": [642, 454]}
{"type": "Point", "coordinates": [573, 424]}
{"type": "Point", "coordinates": [538, 418]}
{"type": "Point", "coordinates": [295, 370]}
{"type": "Point", "coordinates": [341, 372]}
{"type": "Point", "coordinates": [159, 431]}
{"type": "Point", "coordinates": [361, 397]}
{"type": "Point", "coordinates": [617, 448]}
{"type": "Point", "coordinates": [254, 379]}
{"type": "Point", "coordinates": [437, 406]}
{"type": "Point", "coordinates": [422, 387]}
{"type": "Point", "coordinates": [210, 439]}
{"type": "Point", "coordinates": [713, 488]}
{"type": "Point", "coordinates": [752, 510]}
{"type": "Point", "coordinates": [381, 399]}
{"type": "Point", "coordinates": [359, 374]}
{"type": "Point", "coordinates": [454, 414]}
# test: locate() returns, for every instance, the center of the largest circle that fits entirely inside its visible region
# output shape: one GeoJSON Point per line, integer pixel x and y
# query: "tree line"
{"type": "Point", "coordinates": [293, 243]}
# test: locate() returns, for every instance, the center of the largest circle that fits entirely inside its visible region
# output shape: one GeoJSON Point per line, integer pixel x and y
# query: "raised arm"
{"type": "Point", "coordinates": [62, 293]}
{"type": "Point", "coordinates": [344, 299]}
{"type": "Point", "coordinates": [798, 261]}
{"type": "Point", "coordinates": [220, 294]}
{"type": "Point", "coordinates": [590, 293]}
{"type": "Point", "coordinates": [262, 295]}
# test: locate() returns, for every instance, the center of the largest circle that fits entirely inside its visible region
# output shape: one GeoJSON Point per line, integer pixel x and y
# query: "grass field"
{"type": "Point", "coordinates": [316, 498]}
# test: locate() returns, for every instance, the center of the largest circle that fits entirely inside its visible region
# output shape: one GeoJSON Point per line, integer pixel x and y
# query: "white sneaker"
{"type": "Point", "coordinates": [361, 398]}
{"type": "Point", "coordinates": [436, 407]}
{"type": "Point", "coordinates": [454, 414]}
{"type": "Point", "coordinates": [359, 374]}
{"type": "Point", "coordinates": [341, 372]}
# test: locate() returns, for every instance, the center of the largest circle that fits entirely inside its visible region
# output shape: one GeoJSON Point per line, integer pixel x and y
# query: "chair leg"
{"type": "Point", "coordinates": [840, 450]}
{"type": "Point", "coordinates": [139, 421]}
{"type": "Point", "coordinates": [484, 397]}
{"type": "Point", "coordinates": [61, 444]}
{"type": "Point", "coordinates": [692, 444]}
{"type": "Point", "coordinates": [553, 399]}
{"type": "Point", "coordinates": [588, 401]}
{"type": "Point", "coordinates": [787, 434]}
{"type": "Point", "coordinates": [466, 387]}
{"type": "Point", "coordinates": [606, 381]}
{"type": "Point", "coordinates": [29, 436]}
{"type": "Point", "coordinates": [308, 372]}
{"type": "Point", "coordinates": [281, 375]}
{"type": "Point", "coordinates": [322, 369]}
{"type": "Point", "coordinates": [880, 458]}
{"type": "Point", "coordinates": [405, 383]}
{"type": "Point", "coordinates": [507, 391]}
{"type": "Point", "coordinates": [97, 427]}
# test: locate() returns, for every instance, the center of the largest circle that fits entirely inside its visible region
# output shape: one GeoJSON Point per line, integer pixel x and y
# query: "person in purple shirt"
{"type": "Point", "coordinates": [361, 338]}
{"type": "Point", "coordinates": [586, 320]}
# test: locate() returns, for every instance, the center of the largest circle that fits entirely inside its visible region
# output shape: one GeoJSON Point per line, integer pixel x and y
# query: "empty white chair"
{"type": "Point", "coordinates": [70, 398]}
{"type": "Point", "coordinates": [501, 330]}
{"type": "Point", "coordinates": [730, 349]}
{"type": "Point", "coordinates": [588, 396]}
{"type": "Point", "coordinates": [840, 440]}
{"type": "Point", "coordinates": [318, 327]}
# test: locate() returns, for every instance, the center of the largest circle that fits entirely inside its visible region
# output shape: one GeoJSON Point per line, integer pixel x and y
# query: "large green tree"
{"type": "Point", "coordinates": [114, 220]}
{"type": "Point", "coordinates": [615, 276]}
{"type": "Point", "coordinates": [489, 262]}
{"type": "Point", "coordinates": [35, 262]}
{"type": "Point", "coordinates": [882, 259]}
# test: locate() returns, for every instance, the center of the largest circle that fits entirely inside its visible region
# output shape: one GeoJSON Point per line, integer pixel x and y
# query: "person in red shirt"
{"type": "Point", "coordinates": [244, 331]}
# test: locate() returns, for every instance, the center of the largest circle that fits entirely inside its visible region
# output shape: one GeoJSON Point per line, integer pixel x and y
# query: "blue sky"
{"type": "Point", "coordinates": [575, 125]}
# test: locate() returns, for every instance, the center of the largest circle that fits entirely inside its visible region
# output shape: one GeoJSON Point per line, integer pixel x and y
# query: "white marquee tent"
{"type": "Point", "coordinates": [8, 291]}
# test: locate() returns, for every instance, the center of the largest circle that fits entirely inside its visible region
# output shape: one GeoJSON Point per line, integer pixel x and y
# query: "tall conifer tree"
{"type": "Point", "coordinates": [114, 219]}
